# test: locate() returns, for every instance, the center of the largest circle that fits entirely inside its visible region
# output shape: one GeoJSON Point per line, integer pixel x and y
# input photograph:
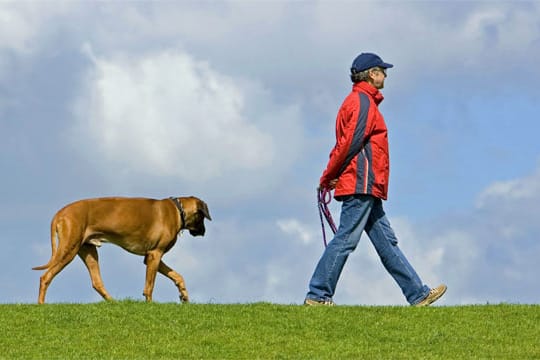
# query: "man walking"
{"type": "Point", "coordinates": [358, 170]}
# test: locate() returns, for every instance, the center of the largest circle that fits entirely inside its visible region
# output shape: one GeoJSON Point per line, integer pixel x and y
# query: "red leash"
{"type": "Point", "coordinates": [324, 197]}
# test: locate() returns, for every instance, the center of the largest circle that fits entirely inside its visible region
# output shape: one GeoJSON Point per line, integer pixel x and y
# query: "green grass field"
{"type": "Point", "coordinates": [137, 330]}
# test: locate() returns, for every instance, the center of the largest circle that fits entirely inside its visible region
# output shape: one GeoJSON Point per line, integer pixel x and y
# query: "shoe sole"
{"type": "Point", "coordinates": [309, 302]}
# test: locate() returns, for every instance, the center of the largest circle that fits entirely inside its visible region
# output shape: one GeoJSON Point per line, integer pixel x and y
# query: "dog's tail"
{"type": "Point", "coordinates": [53, 243]}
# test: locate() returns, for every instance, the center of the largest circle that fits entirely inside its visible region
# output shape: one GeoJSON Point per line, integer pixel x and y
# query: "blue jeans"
{"type": "Point", "coordinates": [359, 213]}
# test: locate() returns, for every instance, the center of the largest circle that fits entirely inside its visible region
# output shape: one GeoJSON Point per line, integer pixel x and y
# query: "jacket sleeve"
{"type": "Point", "coordinates": [350, 140]}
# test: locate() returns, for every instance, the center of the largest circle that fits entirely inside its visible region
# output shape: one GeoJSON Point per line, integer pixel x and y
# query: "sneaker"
{"type": "Point", "coordinates": [434, 295]}
{"type": "Point", "coordinates": [311, 302]}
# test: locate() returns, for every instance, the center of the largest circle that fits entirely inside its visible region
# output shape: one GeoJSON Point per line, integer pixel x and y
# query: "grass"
{"type": "Point", "coordinates": [137, 330]}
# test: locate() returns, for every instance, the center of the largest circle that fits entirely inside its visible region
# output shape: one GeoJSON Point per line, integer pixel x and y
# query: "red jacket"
{"type": "Point", "coordinates": [360, 158]}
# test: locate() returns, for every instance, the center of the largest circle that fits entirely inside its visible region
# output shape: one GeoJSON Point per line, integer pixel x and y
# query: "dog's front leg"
{"type": "Point", "coordinates": [152, 260]}
{"type": "Point", "coordinates": [177, 279]}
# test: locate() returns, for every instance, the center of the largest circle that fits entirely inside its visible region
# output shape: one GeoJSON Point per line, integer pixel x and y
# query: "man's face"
{"type": "Point", "coordinates": [377, 76]}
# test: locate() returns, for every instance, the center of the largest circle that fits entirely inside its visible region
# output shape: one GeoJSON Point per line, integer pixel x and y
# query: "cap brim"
{"type": "Point", "coordinates": [386, 65]}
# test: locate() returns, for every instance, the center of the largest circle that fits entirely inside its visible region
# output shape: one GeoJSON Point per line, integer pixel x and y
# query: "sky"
{"type": "Point", "coordinates": [235, 102]}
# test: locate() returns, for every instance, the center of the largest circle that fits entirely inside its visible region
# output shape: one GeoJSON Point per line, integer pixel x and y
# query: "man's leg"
{"type": "Point", "coordinates": [386, 244]}
{"type": "Point", "coordinates": [355, 212]}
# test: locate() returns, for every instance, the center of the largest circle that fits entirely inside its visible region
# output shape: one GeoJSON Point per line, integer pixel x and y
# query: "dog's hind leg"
{"type": "Point", "coordinates": [64, 255]}
{"type": "Point", "coordinates": [176, 278]}
{"type": "Point", "coordinates": [89, 255]}
{"type": "Point", "coordinates": [46, 279]}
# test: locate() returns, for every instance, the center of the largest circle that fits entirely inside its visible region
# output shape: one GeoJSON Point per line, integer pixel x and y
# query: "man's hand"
{"type": "Point", "coordinates": [330, 186]}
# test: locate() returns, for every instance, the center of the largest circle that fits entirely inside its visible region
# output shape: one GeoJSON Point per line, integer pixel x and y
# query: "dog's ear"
{"type": "Point", "coordinates": [203, 208]}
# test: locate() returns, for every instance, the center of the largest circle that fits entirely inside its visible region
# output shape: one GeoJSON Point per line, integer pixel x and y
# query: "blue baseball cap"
{"type": "Point", "coordinates": [366, 61]}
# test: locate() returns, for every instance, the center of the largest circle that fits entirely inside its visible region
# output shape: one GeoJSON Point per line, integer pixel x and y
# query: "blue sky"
{"type": "Point", "coordinates": [235, 102]}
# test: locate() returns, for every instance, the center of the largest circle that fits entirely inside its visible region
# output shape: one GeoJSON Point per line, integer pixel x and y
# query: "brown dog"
{"type": "Point", "coordinates": [141, 226]}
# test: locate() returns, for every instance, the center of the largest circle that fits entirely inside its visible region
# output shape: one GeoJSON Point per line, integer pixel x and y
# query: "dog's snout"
{"type": "Point", "coordinates": [197, 232]}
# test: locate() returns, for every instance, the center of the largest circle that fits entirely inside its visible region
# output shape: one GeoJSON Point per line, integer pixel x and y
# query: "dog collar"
{"type": "Point", "coordinates": [180, 209]}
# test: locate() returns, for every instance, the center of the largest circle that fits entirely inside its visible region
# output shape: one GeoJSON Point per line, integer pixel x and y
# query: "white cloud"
{"type": "Point", "coordinates": [483, 36]}
{"type": "Point", "coordinates": [21, 22]}
{"type": "Point", "coordinates": [167, 114]}
{"type": "Point", "coordinates": [21, 25]}
{"type": "Point", "coordinates": [514, 190]}
{"type": "Point", "coordinates": [296, 229]}
{"type": "Point", "coordinates": [17, 25]}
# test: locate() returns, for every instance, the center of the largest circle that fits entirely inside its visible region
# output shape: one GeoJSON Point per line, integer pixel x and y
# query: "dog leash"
{"type": "Point", "coordinates": [324, 197]}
